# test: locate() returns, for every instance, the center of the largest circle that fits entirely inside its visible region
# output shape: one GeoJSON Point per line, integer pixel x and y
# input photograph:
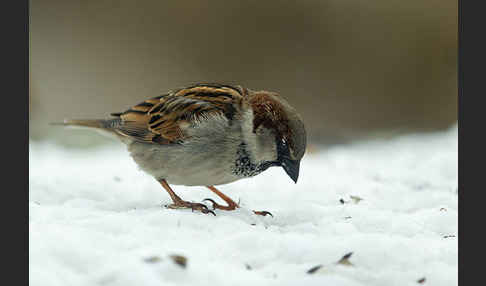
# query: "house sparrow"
{"type": "Point", "coordinates": [207, 135]}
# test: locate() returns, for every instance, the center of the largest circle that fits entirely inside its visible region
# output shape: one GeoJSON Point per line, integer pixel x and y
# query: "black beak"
{"type": "Point", "coordinates": [291, 167]}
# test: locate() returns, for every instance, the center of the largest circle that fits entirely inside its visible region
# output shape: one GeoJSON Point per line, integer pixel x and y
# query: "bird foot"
{"type": "Point", "coordinates": [230, 207]}
{"type": "Point", "coordinates": [263, 213]}
{"type": "Point", "coordinates": [188, 205]}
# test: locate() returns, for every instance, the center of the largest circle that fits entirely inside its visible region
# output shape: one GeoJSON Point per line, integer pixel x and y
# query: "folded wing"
{"type": "Point", "coordinates": [164, 119]}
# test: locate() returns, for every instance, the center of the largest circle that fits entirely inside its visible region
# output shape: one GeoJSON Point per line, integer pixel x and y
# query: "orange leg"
{"type": "Point", "coordinates": [178, 203]}
{"type": "Point", "coordinates": [231, 204]}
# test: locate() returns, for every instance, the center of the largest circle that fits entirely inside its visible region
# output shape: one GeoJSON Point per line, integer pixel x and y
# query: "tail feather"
{"type": "Point", "coordinates": [107, 127]}
{"type": "Point", "coordinates": [92, 123]}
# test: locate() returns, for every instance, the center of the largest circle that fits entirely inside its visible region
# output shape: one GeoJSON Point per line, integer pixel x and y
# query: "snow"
{"type": "Point", "coordinates": [95, 219]}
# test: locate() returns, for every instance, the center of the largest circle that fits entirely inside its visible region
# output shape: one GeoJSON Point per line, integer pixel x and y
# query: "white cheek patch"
{"type": "Point", "coordinates": [247, 122]}
{"type": "Point", "coordinates": [261, 143]}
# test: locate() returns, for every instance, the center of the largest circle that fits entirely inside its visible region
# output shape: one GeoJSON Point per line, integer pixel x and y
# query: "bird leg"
{"type": "Point", "coordinates": [231, 204]}
{"type": "Point", "coordinates": [178, 203]}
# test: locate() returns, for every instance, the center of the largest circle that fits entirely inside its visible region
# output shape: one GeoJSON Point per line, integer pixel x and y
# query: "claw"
{"type": "Point", "coordinates": [214, 203]}
{"type": "Point", "coordinates": [208, 211]}
{"type": "Point", "coordinates": [263, 213]}
{"type": "Point", "coordinates": [203, 207]}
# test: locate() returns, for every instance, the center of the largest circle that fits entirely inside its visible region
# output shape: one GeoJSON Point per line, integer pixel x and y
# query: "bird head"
{"type": "Point", "coordinates": [279, 136]}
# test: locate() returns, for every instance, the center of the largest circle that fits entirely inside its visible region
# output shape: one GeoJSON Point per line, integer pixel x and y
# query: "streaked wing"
{"type": "Point", "coordinates": [163, 119]}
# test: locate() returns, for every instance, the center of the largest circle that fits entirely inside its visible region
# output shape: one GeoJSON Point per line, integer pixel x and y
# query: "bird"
{"type": "Point", "coordinates": [208, 134]}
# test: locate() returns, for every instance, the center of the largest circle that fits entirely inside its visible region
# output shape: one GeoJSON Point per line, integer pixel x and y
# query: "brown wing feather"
{"type": "Point", "coordinates": [162, 119]}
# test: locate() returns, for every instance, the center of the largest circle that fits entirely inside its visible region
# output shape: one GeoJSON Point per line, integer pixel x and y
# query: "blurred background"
{"type": "Point", "coordinates": [353, 69]}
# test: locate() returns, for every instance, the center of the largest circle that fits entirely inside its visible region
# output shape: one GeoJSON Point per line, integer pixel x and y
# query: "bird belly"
{"type": "Point", "coordinates": [185, 165]}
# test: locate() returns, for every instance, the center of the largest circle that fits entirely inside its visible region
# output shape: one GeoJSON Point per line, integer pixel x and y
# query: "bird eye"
{"type": "Point", "coordinates": [283, 148]}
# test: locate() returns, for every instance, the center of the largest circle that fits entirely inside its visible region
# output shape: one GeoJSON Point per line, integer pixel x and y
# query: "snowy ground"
{"type": "Point", "coordinates": [95, 219]}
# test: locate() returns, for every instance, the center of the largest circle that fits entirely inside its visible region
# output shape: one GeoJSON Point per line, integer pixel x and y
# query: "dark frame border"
{"type": "Point", "coordinates": [15, 152]}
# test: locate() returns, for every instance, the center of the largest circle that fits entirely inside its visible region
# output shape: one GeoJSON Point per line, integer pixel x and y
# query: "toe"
{"type": "Point", "coordinates": [197, 206]}
{"type": "Point", "coordinates": [208, 211]}
{"type": "Point", "coordinates": [212, 201]}
{"type": "Point", "coordinates": [263, 213]}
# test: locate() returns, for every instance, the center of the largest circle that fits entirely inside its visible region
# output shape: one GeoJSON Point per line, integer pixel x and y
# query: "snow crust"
{"type": "Point", "coordinates": [94, 219]}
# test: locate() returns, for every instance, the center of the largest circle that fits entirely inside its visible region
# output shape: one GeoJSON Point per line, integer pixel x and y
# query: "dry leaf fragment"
{"type": "Point", "coordinates": [356, 199]}
{"type": "Point", "coordinates": [345, 260]}
{"type": "Point", "coordinates": [314, 269]}
{"type": "Point", "coordinates": [179, 260]}
{"type": "Point", "coordinates": [152, 259]}
{"type": "Point", "coordinates": [421, 280]}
